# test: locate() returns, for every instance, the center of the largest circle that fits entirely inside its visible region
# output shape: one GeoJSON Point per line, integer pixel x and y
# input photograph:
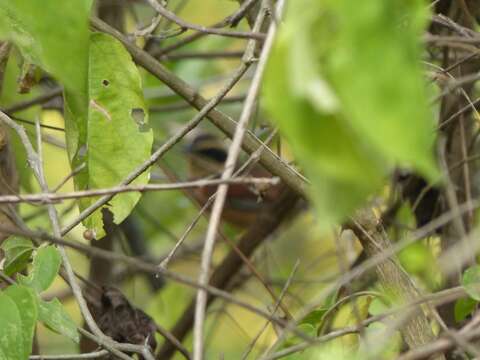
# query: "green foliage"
{"type": "Point", "coordinates": [30, 26]}
{"type": "Point", "coordinates": [104, 105]}
{"type": "Point", "coordinates": [54, 316]}
{"type": "Point", "coordinates": [47, 30]}
{"type": "Point", "coordinates": [46, 263]}
{"type": "Point", "coordinates": [471, 282]}
{"type": "Point", "coordinates": [17, 254]}
{"type": "Point", "coordinates": [11, 331]}
{"type": "Point", "coordinates": [463, 308]}
{"type": "Point", "coordinates": [315, 317]}
{"type": "Point", "coordinates": [119, 137]}
{"type": "Point", "coordinates": [418, 259]}
{"type": "Point", "coordinates": [331, 89]}
{"type": "Point", "coordinates": [18, 317]}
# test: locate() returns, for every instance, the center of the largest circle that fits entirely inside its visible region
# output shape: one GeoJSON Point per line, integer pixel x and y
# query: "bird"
{"type": "Point", "coordinates": [206, 155]}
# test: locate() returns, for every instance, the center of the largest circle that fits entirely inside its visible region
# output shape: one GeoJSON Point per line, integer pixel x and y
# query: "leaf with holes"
{"type": "Point", "coordinates": [118, 136]}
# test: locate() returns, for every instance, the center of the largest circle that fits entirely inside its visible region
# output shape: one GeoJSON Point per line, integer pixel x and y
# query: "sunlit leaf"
{"type": "Point", "coordinates": [25, 300]}
{"type": "Point", "coordinates": [119, 137]}
{"type": "Point", "coordinates": [54, 316]}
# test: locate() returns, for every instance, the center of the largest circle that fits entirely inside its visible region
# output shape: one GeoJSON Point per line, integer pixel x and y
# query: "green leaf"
{"type": "Point", "coordinates": [54, 316]}
{"type": "Point", "coordinates": [463, 308]}
{"type": "Point", "coordinates": [335, 100]}
{"type": "Point", "coordinates": [417, 258]}
{"type": "Point", "coordinates": [119, 137]}
{"type": "Point", "coordinates": [342, 170]}
{"type": "Point", "coordinates": [25, 300]}
{"type": "Point", "coordinates": [307, 329]}
{"type": "Point", "coordinates": [390, 112]}
{"type": "Point", "coordinates": [46, 263]}
{"type": "Point", "coordinates": [11, 330]}
{"type": "Point", "coordinates": [471, 282]}
{"type": "Point", "coordinates": [29, 25]}
{"type": "Point", "coordinates": [17, 254]}
{"type": "Point", "coordinates": [315, 317]}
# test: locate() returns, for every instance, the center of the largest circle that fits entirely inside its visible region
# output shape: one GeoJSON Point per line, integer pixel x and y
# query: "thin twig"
{"type": "Point", "coordinates": [232, 157]}
{"type": "Point", "coordinates": [91, 355]}
{"type": "Point", "coordinates": [50, 197]}
{"type": "Point", "coordinates": [275, 309]}
{"type": "Point", "coordinates": [186, 25]}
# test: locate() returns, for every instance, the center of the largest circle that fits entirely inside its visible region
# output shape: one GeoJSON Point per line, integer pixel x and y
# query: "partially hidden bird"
{"type": "Point", "coordinates": [207, 154]}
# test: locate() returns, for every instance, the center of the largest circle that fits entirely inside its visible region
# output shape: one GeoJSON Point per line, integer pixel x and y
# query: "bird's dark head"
{"type": "Point", "coordinates": [207, 155]}
{"type": "Point", "coordinates": [209, 147]}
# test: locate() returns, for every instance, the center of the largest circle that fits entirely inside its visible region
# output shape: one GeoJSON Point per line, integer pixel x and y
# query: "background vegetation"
{"type": "Point", "coordinates": [365, 114]}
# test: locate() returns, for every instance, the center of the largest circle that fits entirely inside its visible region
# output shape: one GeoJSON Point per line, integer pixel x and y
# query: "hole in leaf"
{"type": "Point", "coordinates": [82, 151]}
{"type": "Point", "coordinates": [138, 115]}
{"type": "Point", "coordinates": [105, 82]}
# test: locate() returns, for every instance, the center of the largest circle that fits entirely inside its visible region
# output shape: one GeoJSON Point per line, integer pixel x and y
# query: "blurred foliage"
{"type": "Point", "coordinates": [471, 282]}
{"type": "Point", "coordinates": [347, 115]}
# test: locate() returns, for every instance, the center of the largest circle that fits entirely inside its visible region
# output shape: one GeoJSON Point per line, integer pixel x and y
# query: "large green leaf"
{"type": "Point", "coordinates": [54, 316]}
{"type": "Point", "coordinates": [46, 263]}
{"type": "Point", "coordinates": [25, 300]}
{"type": "Point", "coordinates": [119, 138]}
{"type": "Point", "coordinates": [11, 330]}
{"type": "Point", "coordinates": [54, 34]}
{"type": "Point", "coordinates": [375, 69]}
{"type": "Point", "coordinates": [343, 171]}
{"type": "Point", "coordinates": [345, 86]}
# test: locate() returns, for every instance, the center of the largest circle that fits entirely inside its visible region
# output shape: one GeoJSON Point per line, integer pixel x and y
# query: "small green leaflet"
{"type": "Point", "coordinates": [17, 254]}
{"type": "Point", "coordinates": [471, 282]}
{"type": "Point", "coordinates": [463, 308]}
{"type": "Point", "coordinates": [54, 316]}
{"type": "Point", "coordinates": [46, 263]}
